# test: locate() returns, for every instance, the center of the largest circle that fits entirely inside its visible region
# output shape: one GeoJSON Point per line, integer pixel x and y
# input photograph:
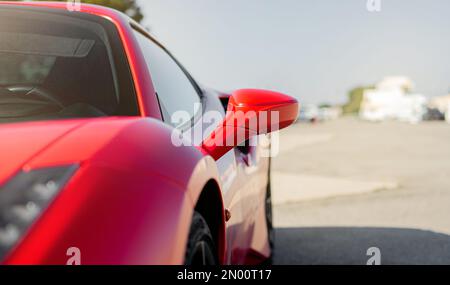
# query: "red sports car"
{"type": "Point", "coordinates": [109, 151]}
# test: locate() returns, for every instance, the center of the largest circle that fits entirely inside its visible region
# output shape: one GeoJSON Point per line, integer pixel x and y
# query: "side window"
{"type": "Point", "coordinates": [175, 90]}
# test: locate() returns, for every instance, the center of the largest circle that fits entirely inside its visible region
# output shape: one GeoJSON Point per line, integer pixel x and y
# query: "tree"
{"type": "Point", "coordinates": [325, 105]}
{"type": "Point", "coordinates": [355, 97]}
{"type": "Point", "coordinates": [129, 7]}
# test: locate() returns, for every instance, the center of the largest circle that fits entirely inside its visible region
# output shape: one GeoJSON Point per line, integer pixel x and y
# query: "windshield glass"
{"type": "Point", "coordinates": [56, 65]}
{"type": "Point", "coordinates": [24, 69]}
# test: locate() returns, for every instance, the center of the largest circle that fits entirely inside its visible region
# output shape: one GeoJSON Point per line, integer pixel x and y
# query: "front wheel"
{"type": "Point", "coordinates": [200, 248]}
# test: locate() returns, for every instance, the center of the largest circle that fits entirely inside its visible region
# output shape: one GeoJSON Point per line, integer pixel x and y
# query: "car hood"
{"type": "Point", "coordinates": [21, 142]}
{"type": "Point", "coordinates": [42, 144]}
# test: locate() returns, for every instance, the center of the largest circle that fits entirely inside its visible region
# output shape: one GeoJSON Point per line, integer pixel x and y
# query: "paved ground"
{"type": "Point", "coordinates": [410, 223]}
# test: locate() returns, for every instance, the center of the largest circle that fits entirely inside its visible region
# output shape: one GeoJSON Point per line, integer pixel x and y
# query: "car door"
{"type": "Point", "coordinates": [177, 91]}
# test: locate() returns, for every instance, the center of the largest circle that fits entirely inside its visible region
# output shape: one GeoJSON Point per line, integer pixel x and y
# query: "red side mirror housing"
{"type": "Point", "coordinates": [251, 112]}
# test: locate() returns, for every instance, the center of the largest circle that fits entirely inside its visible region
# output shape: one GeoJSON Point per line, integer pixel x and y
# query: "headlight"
{"type": "Point", "coordinates": [23, 199]}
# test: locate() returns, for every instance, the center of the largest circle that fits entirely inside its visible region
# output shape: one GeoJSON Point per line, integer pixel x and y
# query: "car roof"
{"type": "Point", "coordinates": [82, 8]}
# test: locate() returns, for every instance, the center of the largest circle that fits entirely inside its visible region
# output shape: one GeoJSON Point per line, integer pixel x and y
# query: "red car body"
{"type": "Point", "coordinates": [132, 199]}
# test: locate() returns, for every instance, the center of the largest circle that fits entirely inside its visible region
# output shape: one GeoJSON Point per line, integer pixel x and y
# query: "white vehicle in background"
{"type": "Point", "coordinates": [330, 113]}
{"type": "Point", "coordinates": [313, 113]}
{"type": "Point", "coordinates": [309, 113]}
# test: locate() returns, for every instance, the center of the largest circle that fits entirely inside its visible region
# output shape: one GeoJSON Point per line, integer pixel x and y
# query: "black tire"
{"type": "Point", "coordinates": [269, 218]}
{"type": "Point", "coordinates": [269, 211]}
{"type": "Point", "coordinates": [200, 248]}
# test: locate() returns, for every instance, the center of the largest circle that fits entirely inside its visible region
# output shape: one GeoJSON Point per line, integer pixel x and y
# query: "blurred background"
{"type": "Point", "coordinates": [368, 163]}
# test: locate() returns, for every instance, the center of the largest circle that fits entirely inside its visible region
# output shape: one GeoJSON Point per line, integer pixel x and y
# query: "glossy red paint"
{"type": "Point", "coordinates": [250, 113]}
{"type": "Point", "coordinates": [257, 101]}
{"type": "Point", "coordinates": [133, 197]}
{"type": "Point", "coordinates": [117, 209]}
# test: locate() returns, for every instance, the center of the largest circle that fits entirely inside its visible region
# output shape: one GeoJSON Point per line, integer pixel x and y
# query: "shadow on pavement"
{"type": "Point", "coordinates": [348, 246]}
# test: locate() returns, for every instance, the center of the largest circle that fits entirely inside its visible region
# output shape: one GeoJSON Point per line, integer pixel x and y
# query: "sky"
{"type": "Point", "coordinates": [315, 50]}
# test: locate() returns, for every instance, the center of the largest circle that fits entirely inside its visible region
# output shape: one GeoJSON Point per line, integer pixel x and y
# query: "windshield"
{"type": "Point", "coordinates": [20, 69]}
{"type": "Point", "coordinates": [56, 65]}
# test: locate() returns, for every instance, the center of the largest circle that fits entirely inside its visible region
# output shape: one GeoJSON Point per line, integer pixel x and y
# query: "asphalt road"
{"type": "Point", "coordinates": [409, 224]}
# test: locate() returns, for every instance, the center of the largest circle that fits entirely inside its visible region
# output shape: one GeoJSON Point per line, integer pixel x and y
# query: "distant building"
{"type": "Point", "coordinates": [391, 100]}
{"type": "Point", "coordinates": [396, 82]}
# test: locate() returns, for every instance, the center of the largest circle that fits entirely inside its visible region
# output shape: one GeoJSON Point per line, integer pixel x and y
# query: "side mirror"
{"type": "Point", "coordinates": [251, 112]}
